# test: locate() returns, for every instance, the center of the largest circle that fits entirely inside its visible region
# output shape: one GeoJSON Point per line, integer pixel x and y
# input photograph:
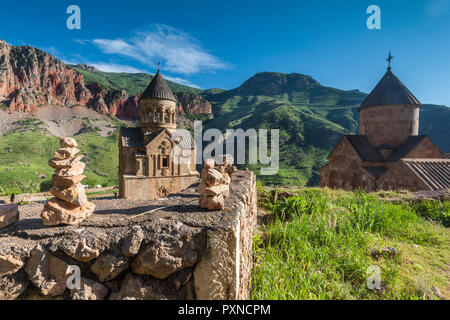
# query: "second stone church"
{"type": "Point", "coordinates": [388, 153]}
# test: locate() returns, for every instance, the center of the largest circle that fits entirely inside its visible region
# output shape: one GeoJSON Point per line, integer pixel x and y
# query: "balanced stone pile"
{"type": "Point", "coordinates": [70, 205]}
{"type": "Point", "coordinates": [213, 187]}
{"type": "Point", "coordinates": [227, 170]}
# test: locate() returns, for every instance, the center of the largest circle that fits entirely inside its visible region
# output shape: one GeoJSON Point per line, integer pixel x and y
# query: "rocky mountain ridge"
{"type": "Point", "coordinates": [30, 78]}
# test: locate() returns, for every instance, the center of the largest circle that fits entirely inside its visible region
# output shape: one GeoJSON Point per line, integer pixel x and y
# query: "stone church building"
{"type": "Point", "coordinates": [149, 167]}
{"type": "Point", "coordinates": [388, 153]}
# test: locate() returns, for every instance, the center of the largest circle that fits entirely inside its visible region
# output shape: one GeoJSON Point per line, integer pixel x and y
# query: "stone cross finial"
{"type": "Point", "coordinates": [390, 57]}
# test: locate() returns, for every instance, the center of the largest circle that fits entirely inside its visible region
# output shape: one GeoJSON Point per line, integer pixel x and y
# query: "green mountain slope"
{"type": "Point", "coordinates": [311, 118]}
{"type": "Point", "coordinates": [132, 83]}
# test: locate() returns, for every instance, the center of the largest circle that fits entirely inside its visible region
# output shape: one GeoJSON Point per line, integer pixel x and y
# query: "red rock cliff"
{"type": "Point", "coordinates": [30, 78]}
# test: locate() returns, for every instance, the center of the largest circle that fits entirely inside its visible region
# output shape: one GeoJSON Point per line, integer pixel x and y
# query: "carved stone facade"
{"type": "Point", "coordinates": [388, 153]}
{"type": "Point", "coordinates": [156, 159]}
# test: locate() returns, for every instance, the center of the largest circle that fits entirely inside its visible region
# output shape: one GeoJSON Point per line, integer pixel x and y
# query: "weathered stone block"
{"type": "Point", "coordinates": [108, 266]}
{"type": "Point", "coordinates": [9, 265]}
{"type": "Point", "coordinates": [8, 214]}
{"type": "Point", "coordinates": [57, 212]}
{"type": "Point", "coordinates": [74, 194]}
{"type": "Point", "coordinates": [47, 272]}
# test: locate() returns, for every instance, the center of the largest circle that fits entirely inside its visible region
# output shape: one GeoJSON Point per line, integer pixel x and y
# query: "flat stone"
{"type": "Point", "coordinates": [80, 251]}
{"type": "Point", "coordinates": [212, 177]}
{"type": "Point", "coordinates": [9, 265]}
{"type": "Point", "coordinates": [8, 214]}
{"type": "Point", "coordinates": [384, 252]}
{"type": "Point", "coordinates": [212, 202]}
{"type": "Point", "coordinates": [74, 194]}
{"type": "Point", "coordinates": [212, 190]}
{"type": "Point", "coordinates": [75, 170]}
{"type": "Point", "coordinates": [58, 212]}
{"type": "Point", "coordinates": [108, 267]}
{"type": "Point", "coordinates": [144, 288]}
{"type": "Point", "coordinates": [161, 261]}
{"type": "Point", "coordinates": [66, 181]}
{"type": "Point", "coordinates": [65, 153]}
{"type": "Point", "coordinates": [89, 290]}
{"type": "Point", "coordinates": [47, 272]}
{"type": "Point", "coordinates": [66, 163]}
{"type": "Point", "coordinates": [12, 287]}
{"type": "Point", "coordinates": [132, 243]}
{"type": "Point", "coordinates": [68, 142]}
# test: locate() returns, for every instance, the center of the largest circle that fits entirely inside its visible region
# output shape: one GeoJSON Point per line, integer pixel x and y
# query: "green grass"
{"type": "Point", "coordinates": [319, 243]}
{"type": "Point", "coordinates": [24, 157]}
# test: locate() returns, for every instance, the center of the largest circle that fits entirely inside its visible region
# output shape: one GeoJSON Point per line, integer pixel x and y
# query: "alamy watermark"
{"type": "Point", "coordinates": [374, 279]}
{"type": "Point", "coordinates": [245, 147]}
{"type": "Point", "coordinates": [74, 280]}
{"type": "Point", "coordinates": [374, 20]}
{"type": "Point", "coordinates": [74, 20]}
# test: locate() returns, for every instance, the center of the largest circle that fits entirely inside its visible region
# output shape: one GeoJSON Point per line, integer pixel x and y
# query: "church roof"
{"type": "Point", "coordinates": [389, 91]}
{"type": "Point", "coordinates": [365, 149]}
{"type": "Point", "coordinates": [132, 137]}
{"type": "Point", "coordinates": [158, 89]}
{"type": "Point", "coordinates": [377, 171]}
{"type": "Point", "coordinates": [409, 145]}
{"type": "Point", "coordinates": [434, 172]}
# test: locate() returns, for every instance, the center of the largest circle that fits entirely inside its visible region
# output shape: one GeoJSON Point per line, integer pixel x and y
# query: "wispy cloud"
{"type": "Point", "coordinates": [112, 67]}
{"type": "Point", "coordinates": [179, 51]}
{"type": "Point", "coordinates": [182, 81]}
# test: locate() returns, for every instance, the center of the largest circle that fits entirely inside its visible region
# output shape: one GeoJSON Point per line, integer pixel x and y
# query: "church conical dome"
{"type": "Point", "coordinates": [389, 91]}
{"type": "Point", "coordinates": [158, 89]}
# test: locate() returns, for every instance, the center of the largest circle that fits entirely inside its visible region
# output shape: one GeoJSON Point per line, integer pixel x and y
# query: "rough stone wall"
{"type": "Point", "coordinates": [344, 170]}
{"type": "Point", "coordinates": [389, 124]}
{"type": "Point", "coordinates": [225, 268]}
{"type": "Point", "coordinates": [163, 249]}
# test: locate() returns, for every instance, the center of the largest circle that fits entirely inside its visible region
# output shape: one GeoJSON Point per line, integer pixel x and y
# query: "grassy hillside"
{"type": "Point", "coordinates": [311, 119]}
{"type": "Point", "coordinates": [320, 243]}
{"type": "Point", "coordinates": [132, 83]}
{"type": "Point", "coordinates": [434, 121]}
{"type": "Point", "coordinates": [24, 157]}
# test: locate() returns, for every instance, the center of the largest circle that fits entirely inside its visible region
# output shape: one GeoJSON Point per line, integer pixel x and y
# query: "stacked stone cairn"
{"type": "Point", "coordinates": [70, 205]}
{"type": "Point", "coordinates": [227, 170]}
{"type": "Point", "coordinates": [215, 184]}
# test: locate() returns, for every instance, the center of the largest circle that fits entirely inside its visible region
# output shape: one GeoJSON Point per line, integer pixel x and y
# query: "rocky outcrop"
{"type": "Point", "coordinates": [192, 103]}
{"type": "Point", "coordinates": [130, 250]}
{"type": "Point", "coordinates": [30, 78]}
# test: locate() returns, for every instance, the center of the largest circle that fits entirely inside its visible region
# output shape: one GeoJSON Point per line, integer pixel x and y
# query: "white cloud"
{"type": "Point", "coordinates": [182, 81]}
{"type": "Point", "coordinates": [178, 51]}
{"type": "Point", "coordinates": [112, 67]}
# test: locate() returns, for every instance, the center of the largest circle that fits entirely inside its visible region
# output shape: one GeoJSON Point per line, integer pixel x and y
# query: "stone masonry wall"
{"type": "Point", "coordinates": [163, 249]}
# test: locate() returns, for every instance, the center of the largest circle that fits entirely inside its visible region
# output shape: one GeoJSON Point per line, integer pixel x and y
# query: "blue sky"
{"type": "Point", "coordinates": [223, 43]}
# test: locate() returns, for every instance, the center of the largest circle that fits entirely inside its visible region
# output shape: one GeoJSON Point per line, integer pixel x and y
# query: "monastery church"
{"type": "Point", "coordinates": [147, 169]}
{"type": "Point", "coordinates": [389, 153]}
